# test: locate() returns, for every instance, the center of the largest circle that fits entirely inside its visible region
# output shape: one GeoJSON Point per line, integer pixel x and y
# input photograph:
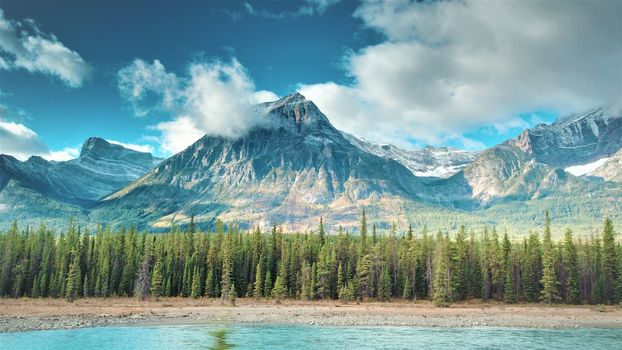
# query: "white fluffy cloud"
{"type": "Point", "coordinates": [177, 134]}
{"type": "Point", "coordinates": [66, 153]}
{"type": "Point", "coordinates": [21, 142]}
{"type": "Point", "coordinates": [448, 67]}
{"type": "Point", "coordinates": [24, 46]}
{"type": "Point", "coordinates": [216, 98]}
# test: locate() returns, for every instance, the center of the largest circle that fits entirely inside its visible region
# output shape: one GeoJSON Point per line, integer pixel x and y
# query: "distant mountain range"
{"type": "Point", "coordinates": [297, 167]}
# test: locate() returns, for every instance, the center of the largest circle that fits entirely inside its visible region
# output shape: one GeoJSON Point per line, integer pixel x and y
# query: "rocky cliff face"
{"type": "Point", "coordinates": [531, 166]}
{"type": "Point", "coordinates": [575, 140]}
{"type": "Point", "coordinates": [611, 170]}
{"type": "Point", "coordinates": [293, 168]}
{"type": "Point", "coordinates": [38, 188]}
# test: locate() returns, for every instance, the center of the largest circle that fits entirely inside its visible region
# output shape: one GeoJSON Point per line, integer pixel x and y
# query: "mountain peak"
{"type": "Point", "coordinates": [295, 109]}
{"type": "Point", "coordinates": [95, 145]}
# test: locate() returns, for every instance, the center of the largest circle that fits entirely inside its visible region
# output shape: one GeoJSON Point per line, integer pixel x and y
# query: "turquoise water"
{"type": "Point", "coordinates": [315, 337]}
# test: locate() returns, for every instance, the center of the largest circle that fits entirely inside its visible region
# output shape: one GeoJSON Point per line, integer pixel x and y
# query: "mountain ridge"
{"type": "Point", "coordinates": [295, 166]}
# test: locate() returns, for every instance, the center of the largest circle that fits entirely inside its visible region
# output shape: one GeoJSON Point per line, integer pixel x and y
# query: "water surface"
{"type": "Point", "coordinates": [315, 337]}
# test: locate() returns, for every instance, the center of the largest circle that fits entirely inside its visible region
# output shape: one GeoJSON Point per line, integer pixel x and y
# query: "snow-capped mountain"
{"type": "Point", "coordinates": [424, 162]}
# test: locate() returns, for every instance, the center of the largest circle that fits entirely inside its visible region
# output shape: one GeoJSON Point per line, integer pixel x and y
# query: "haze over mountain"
{"type": "Point", "coordinates": [294, 167]}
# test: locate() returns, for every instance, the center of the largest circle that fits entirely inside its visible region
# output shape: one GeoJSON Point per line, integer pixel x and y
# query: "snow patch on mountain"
{"type": "Point", "coordinates": [584, 169]}
{"type": "Point", "coordinates": [440, 162]}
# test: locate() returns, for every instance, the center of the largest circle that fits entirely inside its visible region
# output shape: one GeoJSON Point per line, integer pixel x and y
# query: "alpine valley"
{"type": "Point", "coordinates": [295, 167]}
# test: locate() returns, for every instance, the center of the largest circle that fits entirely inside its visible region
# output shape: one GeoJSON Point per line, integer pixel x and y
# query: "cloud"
{"type": "Point", "coordinates": [139, 79]}
{"type": "Point", "coordinates": [177, 134]}
{"type": "Point", "coordinates": [309, 8]}
{"type": "Point", "coordinates": [66, 153]}
{"type": "Point", "coordinates": [133, 146]}
{"type": "Point", "coordinates": [24, 46]}
{"type": "Point", "coordinates": [449, 67]}
{"type": "Point", "coordinates": [22, 142]}
{"type": "Point", "coordinates": [265, 96]}
{"type": "Point", "coordinates": [215, 98]}
{"type": "Point", "coordinates": [19, 141]}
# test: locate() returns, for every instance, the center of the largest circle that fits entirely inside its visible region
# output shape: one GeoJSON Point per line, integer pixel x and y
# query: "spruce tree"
{"type": "Point", "coordinates": [227, 270]}
{"type": "Point", "coordinates": [267, 288]}
{"type": "Point", "coordinates": [73, 278]}
{"type": "Point", "coordinates": [609, 263]}
{"type": "Point", "coordinates": [550, 284]}
{"type": "Point", "coordinates": [156, 280]}
{"type": "Point", "coordinates": [364, 278]}
{"type": "Point", "coordinates": [321, 232]}
{"type": "Point", "coordinates": [442, 275]}
{"type": "Point", "coordinates": [571, 269]}
{"type": "Point", "coordinates": [258, 288]}
{"type": "Point", "coordinates": [384, 292]}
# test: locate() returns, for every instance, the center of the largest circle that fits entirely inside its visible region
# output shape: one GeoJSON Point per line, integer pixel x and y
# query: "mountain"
{"type": "Point", "coordinates": [37, 188]}
{"type": "Point", "coordinates": [295, 167]}
{"type": "Point", "coordinates": [531, 166]}
{"type": "Point", "coordinates": [292, 169]}
{"type": "Point", "coordinates": [610, 169]}
{"type": "Point", "coordinates": [426, 162]}
{"type": "Point", "coordinates": [574, 140]}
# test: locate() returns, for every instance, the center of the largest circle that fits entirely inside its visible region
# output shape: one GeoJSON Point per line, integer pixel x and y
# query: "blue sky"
{"type": "Point", "coordinates": [402, 72]}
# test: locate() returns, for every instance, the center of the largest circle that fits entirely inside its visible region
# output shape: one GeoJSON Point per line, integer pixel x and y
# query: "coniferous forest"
{"type": "Point", "coordinates": [444, 267]}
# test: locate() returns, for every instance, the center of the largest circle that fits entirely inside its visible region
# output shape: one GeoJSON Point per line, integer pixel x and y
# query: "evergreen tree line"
{"type": "Point", "coordinates": [231, 263]}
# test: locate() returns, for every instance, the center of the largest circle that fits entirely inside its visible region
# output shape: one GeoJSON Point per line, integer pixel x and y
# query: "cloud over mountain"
{"type": "Point", "coordinates": [215, 98]}
{"type": "Point", "coordinates": [446, 67]}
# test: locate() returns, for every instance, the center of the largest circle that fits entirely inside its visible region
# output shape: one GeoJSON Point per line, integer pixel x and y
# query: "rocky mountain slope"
{"type": "Point", "coordinates": [292, 169]}
{"type": "Point", "coordinates": [573, 140]}
{"type": "Point", "coordinates": [296, 167]}
{"type": "Point", "coordinates": [38, 188]}
{"type": "Point", "coordinates": [610, 170]}
{"type": "Point", "coordinates": [426, 162]}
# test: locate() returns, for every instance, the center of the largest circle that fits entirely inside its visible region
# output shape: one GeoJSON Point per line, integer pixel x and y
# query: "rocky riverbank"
{"type": "Point", "coordinates": [41, 314]}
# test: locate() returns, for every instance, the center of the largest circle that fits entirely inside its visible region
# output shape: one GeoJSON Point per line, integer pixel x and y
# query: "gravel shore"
{"type": "Point", "coordinates": [40, 314]}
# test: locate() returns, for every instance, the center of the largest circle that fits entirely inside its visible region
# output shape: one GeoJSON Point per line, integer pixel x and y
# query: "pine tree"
{"type": "Point", "coordinates": [196, 291]}
{"type": "Point", "coordinates": [156, 280]}
{"type": "Point", "coordinates": [232, 294]}
{"type": "Point", "coordinates": [363, 277]}
{"type": "Point", "coordinates": [227, 270]}
{"type": "Point", "coordinates": [258, 289]}
{"type": "Point", "coordinates": [384, 292]}
{"type": "Point", "coordinates": [346, 292]}
{"type": "Point", "coordinates": [321, 232]}
{"type": "Point", "coordinates": [278, 292]}
{"type": "Point", "coordinates": [363, 235]}
{"type": "Point", "coordinates": [73, 278]}
{"type": "Point", "coordinates": [267, 288]}
{"type": "Point", "coordinates": [609, 263]}
{"type": "Point", "coordinates": [550, 284]}
{"type": "Point", "coordinates": [571, 269]}
{"type": "Point", "coordinates": [442, 275]}
{"type": "Point", "coordinates": [143, 282]}
{"type": "Point", "coordinates": [460, 262]}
